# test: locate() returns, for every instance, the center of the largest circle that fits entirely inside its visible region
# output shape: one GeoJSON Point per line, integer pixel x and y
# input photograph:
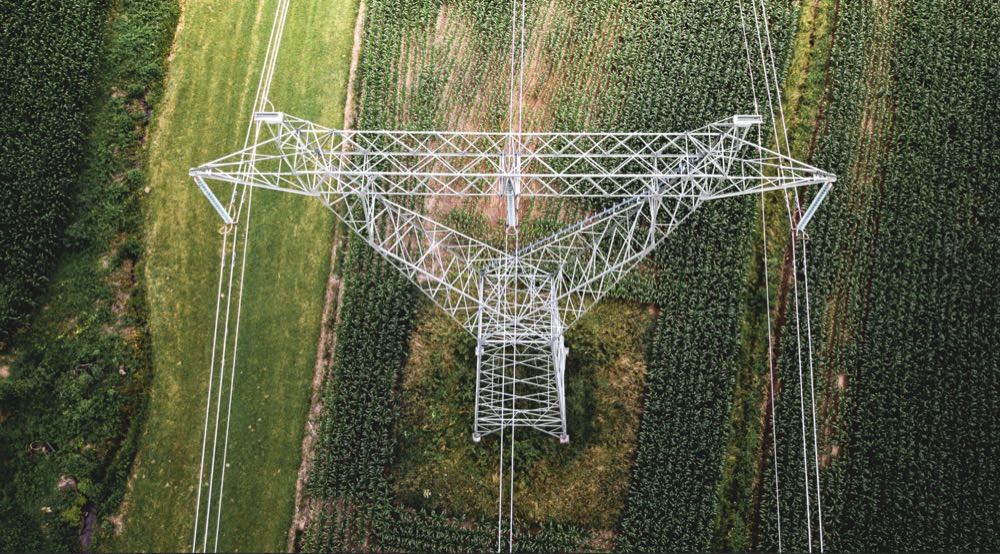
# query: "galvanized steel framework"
{"type": "Point", "coordinates": [516, 300]}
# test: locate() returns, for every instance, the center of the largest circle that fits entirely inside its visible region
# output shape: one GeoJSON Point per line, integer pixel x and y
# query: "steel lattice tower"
{"type": "Point", "coordinates": [517, 300]}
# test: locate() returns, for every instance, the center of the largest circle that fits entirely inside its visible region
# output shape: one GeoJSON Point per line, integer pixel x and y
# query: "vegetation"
{"type": "Point", "coordinates": [355, 440]}
{"type": "Point", "coordinates": [440, 468]}
{"type": "Point", "coordinates": [372, 344]}
{"type": "Point", "coordinates": [696, 349]}
{"type": "Point", "coordinates": [74, 387]}
{"type": "Point", "coordinates": [667, 389]}
{"type": "Point", "coordinates": [213, 72]}
{"type": "Point", "coordinates": [49, 57]}
{"type": "Point", "coordinates": [901, 272]}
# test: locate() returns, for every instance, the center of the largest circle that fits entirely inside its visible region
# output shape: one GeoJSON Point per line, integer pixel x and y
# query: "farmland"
{"type": "Point", "coordinates": [630, 82]}
{"type": "Point", "coordinates": [212, 76]}
{"type": "Point", "coordinates": [354, 394]}
{"type": "Point", "coordinates": [47, 89]}
{"type": "Point", "coordinates": [907, 319]}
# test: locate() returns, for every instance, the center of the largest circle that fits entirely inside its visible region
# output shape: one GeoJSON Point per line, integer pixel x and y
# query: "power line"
{"type": "Point", "coordinates": [787, 147]}
{"type": "Point", "coordinates": [798, 207]}
{"type": "Point", "coordinates": [767, 292]}
{"type": "Point", "coordinates": [229, 249]}
{"type": "Point", "coordinates": [208, 396]}
{"type": "Point", "coordinates": [272, 55]}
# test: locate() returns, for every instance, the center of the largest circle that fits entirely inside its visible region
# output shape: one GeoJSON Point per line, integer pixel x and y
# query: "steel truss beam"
{"type": "Point", "coordinates": [638, 187]}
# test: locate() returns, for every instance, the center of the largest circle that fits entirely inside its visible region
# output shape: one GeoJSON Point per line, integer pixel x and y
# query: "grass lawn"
{"type": "Point", "coordinates": [210, 90]}
{"type": "Point", "coordinates": [583, 483]}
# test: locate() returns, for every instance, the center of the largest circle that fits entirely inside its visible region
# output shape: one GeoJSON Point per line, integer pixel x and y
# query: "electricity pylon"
{"type": "Point", "coordinates": [517, 300]}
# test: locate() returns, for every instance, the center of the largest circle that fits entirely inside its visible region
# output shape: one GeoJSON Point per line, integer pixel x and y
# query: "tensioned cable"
{"type": "Point", "coordinates": [513, 146]}
{"type": "Point", "coordinates": [513, 398]}
{"type": "Point", "coordinates": [798, 324]}
{"type": "Point", "coordinates": [503, 388]}
{"type": "Point", "coordinates": [767, 288]}
{"type": "Point", "coordinates": [221, 379]}
{"type": "Point", "coordinates": [805, 280]}
{"type": "Point", "coordinates": [513, 406]}
{"type": "Point", "coordinates": [260, 100]}
{"type": "Point", "coordinates": [236, 340]}
{"type": "Point", "coordinates": [264, 101]}
{"type": "Point", "coordinates": [520, 99]}
{"type": "Point", "coordinates": [222, 266]}
{"type": "Point", "coordinates": [812, 387]}
{"type": "Point", "coordinates": [211, 379]}
{"type": "Point", "coordinates": [231, 252]}
{"type": "Point", "coordinates": [798, 336]}
{"type": "Point", "coordinates": [798, 208]}
{"type": "Point", "coordinates": [218, 301]}
{"type": "Point", "coordinates": [222, 366]}
{"type": "Point", "coordinates": [513, 62]}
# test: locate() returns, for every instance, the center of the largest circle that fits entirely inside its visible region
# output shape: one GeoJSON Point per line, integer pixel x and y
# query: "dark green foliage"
{"type": "Point", "coordinates": [554, 539]}
{"type": "Point", "coordinates": [72, 406]}
{"type": "Point", "coordinates": [908, 253]}
{"type": "Point", "coordinates": [49, 54]}
{"type": "Point", "coordinates": [420, 531]}
{"type": "Point", "coordinates": [690, 72]}
{"type": "Point", "coordinates": [355, 441]}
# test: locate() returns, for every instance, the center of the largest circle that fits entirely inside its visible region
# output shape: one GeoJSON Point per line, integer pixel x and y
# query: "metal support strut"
{"type": "Point", "coordinates": [519, 303]}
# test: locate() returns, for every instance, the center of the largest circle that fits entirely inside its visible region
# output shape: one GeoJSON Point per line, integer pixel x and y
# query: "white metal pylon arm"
{"type": "Point", "coordinates": [304, 158]}
{"type": "Point", "coordinates": [594, 254]}
{"type": "Point", "coordinates": [399, 190]}
{"type": "Point", "coordinates": [386, 179]}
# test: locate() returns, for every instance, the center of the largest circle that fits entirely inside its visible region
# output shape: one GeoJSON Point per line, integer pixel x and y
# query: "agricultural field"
{"type": "Point", "coordinates": [74, 379]}
{"type": "Point", "coordinates": [47, 88]}
{"type": "Point", "coordinates": [689, 389]}
{"type": "Point", "coordinates": [413, 425]}
{"type": "Point", "coordinates": [902, 265]}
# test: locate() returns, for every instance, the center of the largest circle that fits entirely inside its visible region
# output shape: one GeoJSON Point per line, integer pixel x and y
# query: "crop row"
{"type": "Point", "coordinates": [692, 70]}
{"type": "Point", "coordinates": [50, 54]}
{"type": "Point", "coordinates": [905, 314]}
{"type": "Point", "coordinates": [355, 438]}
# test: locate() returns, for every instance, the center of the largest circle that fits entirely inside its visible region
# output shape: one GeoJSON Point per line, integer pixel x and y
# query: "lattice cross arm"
{"type": "Point", "coordinates": [650, 181]}
{"type": "Point", "coordinates": [593, 255]}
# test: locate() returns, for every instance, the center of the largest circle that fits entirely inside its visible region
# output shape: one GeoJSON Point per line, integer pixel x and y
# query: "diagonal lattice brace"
{"type": "Point", "coordinates": [637, 187]}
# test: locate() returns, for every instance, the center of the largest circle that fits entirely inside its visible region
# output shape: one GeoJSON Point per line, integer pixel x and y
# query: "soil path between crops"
{"type": "Point", "coordinates": [772, 385]}
{"type": "Point", "coordinates": [306, 508]}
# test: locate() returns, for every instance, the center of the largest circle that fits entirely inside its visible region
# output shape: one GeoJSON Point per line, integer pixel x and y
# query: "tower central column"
{"type": "Point", "coordinates": [520, 353]}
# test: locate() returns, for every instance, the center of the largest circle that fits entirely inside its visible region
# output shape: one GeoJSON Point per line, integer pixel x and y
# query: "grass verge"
{"type": "Point", "coordinates": [217, 54]}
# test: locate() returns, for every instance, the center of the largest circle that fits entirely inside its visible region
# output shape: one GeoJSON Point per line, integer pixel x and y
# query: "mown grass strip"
{"type": "Point", "coordinates": [217, 55]}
